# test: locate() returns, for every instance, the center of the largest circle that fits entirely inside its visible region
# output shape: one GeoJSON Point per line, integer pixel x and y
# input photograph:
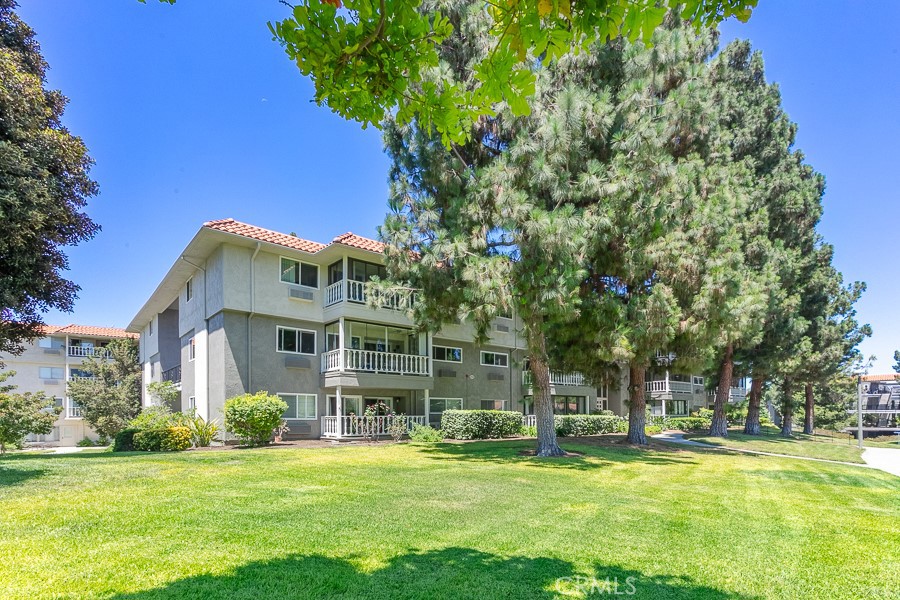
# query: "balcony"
{"type": "Point", "coordinates": [735, 394]}
{"type": "Point", "coordinates": [82, 378]}
{"type": "Point", "coordinates": [371, 361]}
{"type": "Point", "coordinates": [85, 351]}
{"type": "Point", "coordinates": [556, 378]}
{"type": "Point", "coordinates": [355, 291]}
{"type": "Point", "coordinates": [173, 374]}
{"type": "Point", "coordinates": [667, 387]}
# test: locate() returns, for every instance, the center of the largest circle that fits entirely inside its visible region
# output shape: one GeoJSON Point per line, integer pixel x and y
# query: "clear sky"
{"type": "Point", "coordinates": [193, 113]}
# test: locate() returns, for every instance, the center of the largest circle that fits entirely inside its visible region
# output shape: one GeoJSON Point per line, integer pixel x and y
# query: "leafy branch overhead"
{"type": "Point", "coordinates": [363, 55]}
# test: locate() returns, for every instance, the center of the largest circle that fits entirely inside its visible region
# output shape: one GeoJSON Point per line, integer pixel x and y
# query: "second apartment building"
{"type": "Point", "coordinates": [245, 309]}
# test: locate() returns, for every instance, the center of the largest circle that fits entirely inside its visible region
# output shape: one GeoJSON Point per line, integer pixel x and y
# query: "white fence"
{"type": "Point", "coordinates": [353, 426]}
{"type": "Point", "coordinates": [557, 378]}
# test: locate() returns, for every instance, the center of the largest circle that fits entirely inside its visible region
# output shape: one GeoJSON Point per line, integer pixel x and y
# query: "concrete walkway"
{"type": "Point", "coordinates": [882, 459]}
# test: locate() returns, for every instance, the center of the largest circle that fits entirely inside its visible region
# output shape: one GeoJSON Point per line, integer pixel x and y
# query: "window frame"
{"type": "Point", "coordinates": [189, 290]}
{"type": "Point", "coordinates": [296, 396]}
{"type": "Point", "coordinates": [278, 329]}
{"type": "Point", "coordinates": [445, 348]}
{"type": "Point", "coordinates": [61, 370]}
{"type": "Point", "coordinates": [494, 364]}
{"type": "Point", "coordinates": [433, 412]}
{"type": "Point", "coordinates": [503, 403]}
{"type": "Point", "coordinates": [299, 272]}
{"type": "Point", "coordinates": [192, 402]}
{"type": "Point", "coordinates": [192, 348]}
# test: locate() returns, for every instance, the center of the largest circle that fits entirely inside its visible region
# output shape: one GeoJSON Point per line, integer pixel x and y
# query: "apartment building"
{"type": "Point", "coordinates": [245, 309]}
{"type": "Point", "coordinates": [50, 362]}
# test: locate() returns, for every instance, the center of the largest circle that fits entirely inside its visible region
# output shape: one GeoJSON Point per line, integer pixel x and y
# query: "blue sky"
{"type": "Point", "coordinates": [192, 113]}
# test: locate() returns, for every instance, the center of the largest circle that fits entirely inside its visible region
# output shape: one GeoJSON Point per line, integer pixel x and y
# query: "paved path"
{"type": "Point", "coordinates": [882, 459]}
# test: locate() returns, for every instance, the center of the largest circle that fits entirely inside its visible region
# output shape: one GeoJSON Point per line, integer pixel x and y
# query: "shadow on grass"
{"type": "Point", "coordinates": [594, 455]}
{"type": "Point", "coordinates": [450, 573]}
{"type": "Point", "coordinates": [10, 477]}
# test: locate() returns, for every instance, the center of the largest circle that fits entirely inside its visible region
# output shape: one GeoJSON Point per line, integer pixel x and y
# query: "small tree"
{"type": "Point", "coordinates": [253, 418]}
{"type": "Point", "coordinates": [163, 393]}
{"type": "Point", "coordinates": [112, 396]}
{"type": "Point", "coordinates": [21, 414]}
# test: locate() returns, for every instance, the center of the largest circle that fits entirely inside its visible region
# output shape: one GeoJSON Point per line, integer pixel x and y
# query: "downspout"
{"type": "Point", "coordinates": [250, 319]}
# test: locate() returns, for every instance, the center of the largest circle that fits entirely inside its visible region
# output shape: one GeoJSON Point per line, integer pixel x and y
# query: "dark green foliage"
{"type": "Point", "coordinates": [688, 423]}
{"type": "Point", "coordinates": [253, 418]}
{"type": "Point", "coordinates": [21, 414]}
{"type": "Point", "coordinates": [124, 440]}
{"type": "Point", "coordinates": [425, 433]}
{"type": "Point", "coordinates": [165, 439]}
{"type": "Point", "coordinates": [112, 397]}
{"type": "Point", "coordinates": [480, 424]}
{"type": "Point", "coordinates": [44, 186]}
{"type": "Point", "coordinates": [578, 425]}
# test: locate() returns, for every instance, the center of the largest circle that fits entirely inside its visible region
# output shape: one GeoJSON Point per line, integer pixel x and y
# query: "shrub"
{"type": "Point", "coordinates": [689, 423]}
{"type": "Point", "coordinates": [203, 432]}
{"type": "Point", "coordinates": [577, 425]}
{"type": "Point", "coordinates": [425, 433]}
{"type": "Point", "coordinates": [652, 429]}
{"type": "Point", "coordinates": [528, 431]}
{"type": "Point", "coordinates": [124, 441]}
{"type": "Point", "coordinates": [605, 412]}
{"type": "Point", "coordinates": [254, 417]}
{"type": "Point", "coordinates": [480, 424]}
{"type": "Point", "coordinates": [153, 417]}
{"type": "Point", "coordinates": [165, 439]}
{"type": "Point", "coordinates": [705, 413]}
{"type": "Point", "coordinates": [85, 442]}
{"type": "Point", "coordinates": [398, 427]}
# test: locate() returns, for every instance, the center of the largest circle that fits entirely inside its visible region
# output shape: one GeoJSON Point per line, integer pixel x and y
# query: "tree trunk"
{"type": "Point", "coordinates": [543, 401]}
{"type": "Point", "coordinates": [809, 411]}
{"type": "Point", "coordinates": [637, 406]}
{"type": "Point", "coordinates": [751, 425]}
{"type": "Point", "coordinates": [719, 426]}
{"type": "Point", "coordinates": [787, 408]}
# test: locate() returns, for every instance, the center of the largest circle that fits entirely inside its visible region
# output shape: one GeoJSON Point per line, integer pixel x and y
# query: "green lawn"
{"type": "Point", "coordinates": [799, 445]}
{"type": "Point", "coordinates": [447, 521]}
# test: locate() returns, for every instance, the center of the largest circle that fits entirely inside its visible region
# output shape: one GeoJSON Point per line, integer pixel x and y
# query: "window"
{"type": "Point", "coordinates": [494, 359]}
{"type": "Point", "coordinates": [298, 341]}
{"type": "Point", "coordinates": [493, 405]}
{"type": "Point", "coordinates": [52, 373]}
{"type": "Point", "coordinates": [301, 273]}
{"type": "Point", "coordinates": [74, 410]}
{"type": "Point", "coordinates": [192, 349]}
{"type": "Point", "coordinates": [192, 403]}
{"type": "Point", "coordinates": [447, 354]}
{"type": "Point", "coordinates": [698, 380]}
{"type": "Point", "coordinates": [45, 343]}
{"type": "Point", "coordinates": [151, 326]}
{"type": "Point", "coordinates": [189, 290]}
{"type": "Point", "coordinates": [569, 405]}
{"type": "Point", "coordinates": [602, 404]}
{"type": "Point", "coordinates": [300, 406]}
{"type": "Point", "coordinates": [437, 406]}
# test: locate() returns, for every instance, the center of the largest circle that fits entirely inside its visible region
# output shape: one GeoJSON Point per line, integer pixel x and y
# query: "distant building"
{"type": "Point", "coordinates": [49, 363]}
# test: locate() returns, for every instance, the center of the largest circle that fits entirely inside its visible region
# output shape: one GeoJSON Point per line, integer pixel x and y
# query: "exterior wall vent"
{"type": "Point", "coordinates": [297, 362]}
{"type": "Point", "coordinates": [496, 376]}
{"type": "Point", "coordinates": [298, 294]}
{"type": "Point", "coordinates": [503, 328]}
{"type": "Point", "coordinates": [446, 373]}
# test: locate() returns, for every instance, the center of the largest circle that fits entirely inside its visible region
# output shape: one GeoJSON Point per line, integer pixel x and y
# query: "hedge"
{"type": "Point", "coordinates": [124, 441]}
{"type": "Point", "coordinates": [577, 425]}
{"type": "Point", "coordinates": [480, 424]}
{"type": "Point", "coordinates": [688, 423]}
{"type": "Point", "coordinates": [165, 439]}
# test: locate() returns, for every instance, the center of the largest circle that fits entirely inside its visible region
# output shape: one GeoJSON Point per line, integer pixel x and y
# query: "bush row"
{"type": "Point", "coordinates": [577, 425]}
{"type": "Point", "coordinates": [164, 439]}
{"type": "Point", "coordinates": [480, 424]}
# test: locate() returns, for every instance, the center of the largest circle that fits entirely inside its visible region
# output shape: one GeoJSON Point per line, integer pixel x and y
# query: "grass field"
{"type": "Point", "coordinates": [446, 521]}
{"type": "Point", "coordinates": [799, 445]}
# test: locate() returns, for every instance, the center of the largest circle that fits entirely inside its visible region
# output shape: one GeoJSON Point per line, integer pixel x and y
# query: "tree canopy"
{"type": "Point", "coordinates": [372, 59]}
{"type": "Point", "coordinates": [44, 186]}
{"type": "Point", "coordinates": [21, 414]}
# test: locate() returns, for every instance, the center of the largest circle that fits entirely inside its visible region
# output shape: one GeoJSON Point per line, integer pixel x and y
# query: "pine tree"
{"type": "Point", "coordinates": [44, 184]}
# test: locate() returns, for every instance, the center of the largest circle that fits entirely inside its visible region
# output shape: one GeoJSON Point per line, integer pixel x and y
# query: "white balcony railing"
{"type": "Point", "coordinates": [371, 361]}
{"type": "Point", "coordinates": [529, 421]}
{"type": "Point", "coordinates": [356, 292]}
{"type": "Point", "coordinates": [83, 351]}
{"type": "Point", "coordinates": [663, 386]}
{"type": "Point", "coordinates": [81, 377]}
{"type": "Point", "coordinates": [354, 426]}
{"type": "Point", "coordinates": [556, 378]}
{"type": "Point", "coordinates": [73, 411]}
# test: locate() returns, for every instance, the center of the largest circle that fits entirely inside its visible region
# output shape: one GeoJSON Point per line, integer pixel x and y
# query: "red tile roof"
{"type": "Point", "coordinates": [890, 377]}
{"type": "Point", "coordinates": [264, 235]}
{"type": "Point", "coordinates": [357, 241]}
{"type": "Point", "coordinates": [88, 330]}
